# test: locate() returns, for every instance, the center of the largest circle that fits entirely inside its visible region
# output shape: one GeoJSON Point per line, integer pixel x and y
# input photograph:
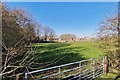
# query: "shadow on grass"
{"type": "Point", "coordinates": [49, 46]}
{"type": "Point", "coordinates": [59, 55]}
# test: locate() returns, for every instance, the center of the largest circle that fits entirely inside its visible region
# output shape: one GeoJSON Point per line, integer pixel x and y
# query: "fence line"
{"type": "Point", "coordinates": [85, 69]}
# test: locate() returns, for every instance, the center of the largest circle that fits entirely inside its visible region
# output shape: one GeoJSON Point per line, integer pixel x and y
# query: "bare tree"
{"type": "Point", "coordinates": [51, 34]}
{"type": "Point", "coordinates": [109, 39]}
{"type": "Point", "coordinates": [17, 55]}
{"type": "Point", "coordinates": [48, 33]}
{"type": "Point", "coordinates": [18, 31]}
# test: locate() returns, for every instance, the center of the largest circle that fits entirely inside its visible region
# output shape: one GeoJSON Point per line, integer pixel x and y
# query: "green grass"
{"type": "Point", "coordinates": [109, 76]}
{"type": "Point", "coordinates": [61, 53]}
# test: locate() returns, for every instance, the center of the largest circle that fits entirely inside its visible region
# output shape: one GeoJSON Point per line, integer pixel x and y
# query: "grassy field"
{"type": "Point", "coordinates": [61, 53]}
{"type": "Point", "coordinates": [109, 76]}
{"type": "Point", "coordinates": [52, 54]}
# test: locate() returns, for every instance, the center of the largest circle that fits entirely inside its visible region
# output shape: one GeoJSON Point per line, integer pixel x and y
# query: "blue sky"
{"type": "Point", "coordinates": [79, 18]}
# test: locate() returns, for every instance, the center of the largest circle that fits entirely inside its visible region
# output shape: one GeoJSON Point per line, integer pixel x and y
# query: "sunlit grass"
{"type": "Point", "coordinates": [109, 76]}
{"type": "Point", "coordinates": [66, 52]}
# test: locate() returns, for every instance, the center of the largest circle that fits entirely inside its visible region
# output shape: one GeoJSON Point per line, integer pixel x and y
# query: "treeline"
{"type": "Point", "coordinates": [18, 24]}
{"type": "Point", "coordinates": [109, 40]}
{"type": "Point", "coordinates": [19, 30]}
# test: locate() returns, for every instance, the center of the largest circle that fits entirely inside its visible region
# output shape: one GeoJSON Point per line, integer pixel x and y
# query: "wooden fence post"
{"type": "Point", "coordinates": [105, 64]}
{"type": "Point", "coordinates": [17, 77]}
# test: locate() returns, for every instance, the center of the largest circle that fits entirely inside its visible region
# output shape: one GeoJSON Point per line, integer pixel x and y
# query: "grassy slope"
{"type": "Point", "coordinates": [66, 52]}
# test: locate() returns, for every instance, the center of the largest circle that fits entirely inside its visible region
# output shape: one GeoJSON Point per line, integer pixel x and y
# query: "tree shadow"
{"type": "Point", "coordinates": [49, 46]}
{"type": "Point", "coordinates": [60, 55]}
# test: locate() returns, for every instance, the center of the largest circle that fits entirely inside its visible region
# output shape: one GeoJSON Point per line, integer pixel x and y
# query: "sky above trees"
{"type": "Point", "coordinates": [79, 18]}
